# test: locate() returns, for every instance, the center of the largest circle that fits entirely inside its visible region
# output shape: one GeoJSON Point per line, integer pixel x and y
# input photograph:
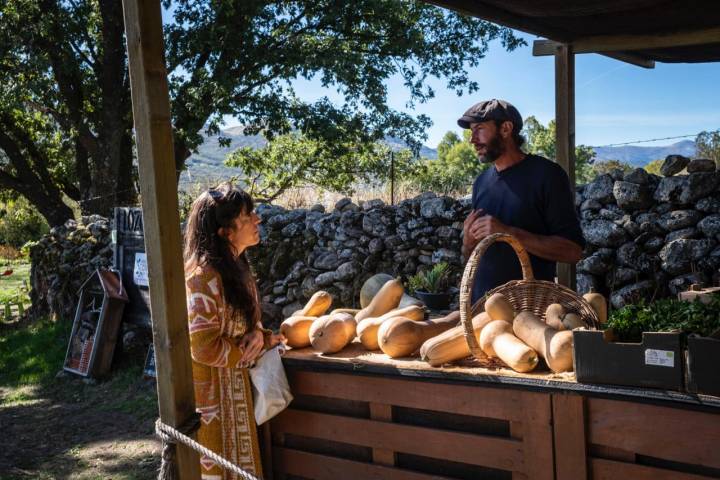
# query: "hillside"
{"type": "Point", "coordinates": [641, 156]}
{"type": "Point", "coordinates": [206, 166]}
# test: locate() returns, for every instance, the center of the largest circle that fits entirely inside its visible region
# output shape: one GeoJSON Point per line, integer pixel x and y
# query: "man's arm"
{"type": "Point", "coordinates": [549, 247]}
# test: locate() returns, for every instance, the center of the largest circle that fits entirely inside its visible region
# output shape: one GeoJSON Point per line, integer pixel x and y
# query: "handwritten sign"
{"type": "Point", "coordinates": [140, 272]}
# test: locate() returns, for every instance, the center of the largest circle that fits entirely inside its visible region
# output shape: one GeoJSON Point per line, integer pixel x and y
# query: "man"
{"type": "Point", "coordinates": [524, 195]}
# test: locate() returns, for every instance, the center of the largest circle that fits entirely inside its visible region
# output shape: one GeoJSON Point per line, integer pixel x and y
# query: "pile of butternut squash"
{"type": "Point", "coordinates": [330, 333]}
{"type": "Point", "coordinates": [519, 339]}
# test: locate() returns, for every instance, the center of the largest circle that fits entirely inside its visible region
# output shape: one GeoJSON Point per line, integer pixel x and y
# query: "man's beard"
{"type": "Point", "coordinates": [493, 150]}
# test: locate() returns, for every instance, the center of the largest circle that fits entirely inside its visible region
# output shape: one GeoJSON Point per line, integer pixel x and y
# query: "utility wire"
{"type": "Point", "coordinates": [652, 140]}
{"type": "Point", "coordinates": [104, 196]}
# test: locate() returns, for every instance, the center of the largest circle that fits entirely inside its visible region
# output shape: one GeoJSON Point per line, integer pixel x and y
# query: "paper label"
{"type": "Point", "coordinates": [660, 358]}
{"type": "Point", "coordinates": [140, 272]}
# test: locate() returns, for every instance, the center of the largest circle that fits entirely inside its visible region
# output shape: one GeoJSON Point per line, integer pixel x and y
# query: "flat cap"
{"type": "Point", "coordinates": [491, 110]}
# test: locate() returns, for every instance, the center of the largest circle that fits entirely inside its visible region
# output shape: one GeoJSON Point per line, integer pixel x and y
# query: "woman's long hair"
{"type": "Point", "coordinates": [214, 209]}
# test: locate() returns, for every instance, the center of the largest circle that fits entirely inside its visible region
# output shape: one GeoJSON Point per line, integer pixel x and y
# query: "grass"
{"type": "Point", "coordinates": [33, 354]}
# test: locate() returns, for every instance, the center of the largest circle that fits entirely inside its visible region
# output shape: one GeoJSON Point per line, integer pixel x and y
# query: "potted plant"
{"type": "Point", "coordinates": [431, 286]}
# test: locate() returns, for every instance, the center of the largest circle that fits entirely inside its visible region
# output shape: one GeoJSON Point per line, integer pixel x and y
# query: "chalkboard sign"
{"type": "Point", "coordinates": [131, 262]}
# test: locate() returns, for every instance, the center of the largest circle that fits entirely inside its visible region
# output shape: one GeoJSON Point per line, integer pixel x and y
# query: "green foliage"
{"type": "Point", "coordinates": [243, 57]}
{"type": "Point", "coordinates": [455, 168]}
{"type": "Point", "coordinates": [654, 167]}
{"type": "Point", "coordinates": [607, 166]}
{"type": "Point", "coordinates": [20, 223]}
{"type": "Point", "coordinates": [664, 316]}
{"type": "Point", "coordinates": [708, 146]}
{"type": "Point", "coordinates": [434, 280]}
{"type": "Point", "coordinates": [291, 160]}
{"type": "Point", "coordinates": [541, 141]}
{"type": "Point", "coordinates": [63, 65]}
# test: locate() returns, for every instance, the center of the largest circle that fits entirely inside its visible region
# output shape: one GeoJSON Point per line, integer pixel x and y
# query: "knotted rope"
{"type": "Point", "coordinates": [170, 437]}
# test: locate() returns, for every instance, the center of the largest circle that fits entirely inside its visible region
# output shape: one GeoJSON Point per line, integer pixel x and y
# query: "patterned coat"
{"type": "Point", "coordinates": [223, 393]}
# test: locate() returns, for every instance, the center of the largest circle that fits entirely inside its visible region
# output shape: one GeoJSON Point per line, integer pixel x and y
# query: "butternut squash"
{"type": "Point", "coordinates": [351, 311]}
{"type": "Point", "coordinates": [296, 331]}
{"type": "Point", "coordinates": [499, 307]}
{"type": "Point", "coordinates": [385, 300]}
{"type": "Point", "coordinates": [373, 284]}
{"type": "Point", "coordinates": [572, 321]}
{"type": "Point", "coordinates": [554, 346]}
{"type": "Point", "coordinates": [598, 303]}
{"type": "Point", "coordinates": [317, 305]}
{"type": "Point", "coordinates": [401, 336]}
{"type": "Point", "coordinates": [451, 344]}
{"type": "Point", "coordinates": [331, 333]}
{"type": "Point", "coordinates": [554, 315]}
{"type": "Point", "coordinates": [367, 328]}
{"type": "Point", "coordinates": [497, 340]}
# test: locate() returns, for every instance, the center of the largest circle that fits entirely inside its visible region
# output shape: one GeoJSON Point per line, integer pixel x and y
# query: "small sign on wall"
{"type": "Point", "coordinates": [140, 271]}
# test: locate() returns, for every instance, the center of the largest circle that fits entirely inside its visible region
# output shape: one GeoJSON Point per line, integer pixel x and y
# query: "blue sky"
{"type": "Point", "coordinates": [615, 102]}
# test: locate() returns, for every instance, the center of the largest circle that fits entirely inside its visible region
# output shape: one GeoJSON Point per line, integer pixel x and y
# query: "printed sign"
{"type": "Point", "coordinates": [660, 358]}
{"type": "Point", "coordinates": [140, 272]}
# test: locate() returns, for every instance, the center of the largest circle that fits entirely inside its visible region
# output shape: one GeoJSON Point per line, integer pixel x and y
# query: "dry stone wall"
{"type": "Point", "coordinates": [62, 260]}
{"type": "Point", "coordinates": [647, 236]}
{"type": "Point", "coordinates": [303, 251]}
{"type": "Point", "coordinates": [650, 236]}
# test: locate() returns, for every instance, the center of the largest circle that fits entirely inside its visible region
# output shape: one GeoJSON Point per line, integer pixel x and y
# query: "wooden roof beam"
{"type": "Point", "coordinates": [502, 17]}
{"type": "Point", "coordinates": [549, 47]}
{"type": "Point", "coordinates": [622, 43]}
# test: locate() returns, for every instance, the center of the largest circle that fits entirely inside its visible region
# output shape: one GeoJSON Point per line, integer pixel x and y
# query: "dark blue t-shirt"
{"type": "Point", "coordinates": [533, 195]}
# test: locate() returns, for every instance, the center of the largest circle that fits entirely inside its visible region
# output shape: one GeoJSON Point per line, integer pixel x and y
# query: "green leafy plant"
{"type": "Point", "coordinates": [664, 316]}
{"type": "Point", "coordinates": [434, 280]}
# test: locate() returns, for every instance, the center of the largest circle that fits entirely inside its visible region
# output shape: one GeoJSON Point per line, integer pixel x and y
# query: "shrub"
{"type": "Point", "coordinates": [20, 222]}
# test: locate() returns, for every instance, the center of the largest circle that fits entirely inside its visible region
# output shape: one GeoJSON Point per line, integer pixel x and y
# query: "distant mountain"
{"type": "Point", "coordinates": [641, 156]}
{"type": "Point", "coordinates": [397, 144]}
{"type": "Point", "coordinates": [207, 165]}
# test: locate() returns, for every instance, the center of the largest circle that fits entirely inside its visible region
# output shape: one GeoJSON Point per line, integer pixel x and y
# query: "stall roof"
{"type": "Point", "coordinates": [653, 30]}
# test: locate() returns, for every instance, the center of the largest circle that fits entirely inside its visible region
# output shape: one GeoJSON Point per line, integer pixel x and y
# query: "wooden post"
{"type": "Point", "coordinates": [565, 132]}
{"type": "Point", "coordinates": [392, 178]}
{"type": "Point", "coordinates": [153, 134]}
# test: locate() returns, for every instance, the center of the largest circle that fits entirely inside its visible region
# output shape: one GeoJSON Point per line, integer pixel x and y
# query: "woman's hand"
{"type": "Point", "coordinates": [252, 345]}
{"type": "Point", "coordinates": [276, 338]}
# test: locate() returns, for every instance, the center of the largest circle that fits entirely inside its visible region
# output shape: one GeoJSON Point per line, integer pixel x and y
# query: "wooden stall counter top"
{"type": "Point", "coordinates": [354, 358]}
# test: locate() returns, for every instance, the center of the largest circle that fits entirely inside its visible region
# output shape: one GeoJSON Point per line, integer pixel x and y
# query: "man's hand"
{"type": "Point", "coordinates": [486, 225]}
{"type": "Point", "coordinates": [252, 344]}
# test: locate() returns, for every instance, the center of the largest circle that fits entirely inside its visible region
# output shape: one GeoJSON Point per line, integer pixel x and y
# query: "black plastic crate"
{"type": "Point", "coordinates": [703, 375]}
{"type": "Point", "coordinates": [656, 362]}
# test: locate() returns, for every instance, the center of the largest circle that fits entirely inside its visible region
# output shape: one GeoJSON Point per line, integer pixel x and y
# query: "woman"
{"type": "Point", "coordinates": [226, 335]}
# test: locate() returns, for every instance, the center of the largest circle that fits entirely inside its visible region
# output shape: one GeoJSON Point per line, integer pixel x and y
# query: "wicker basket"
{"type": "Point", "coordinates": [526, 294]}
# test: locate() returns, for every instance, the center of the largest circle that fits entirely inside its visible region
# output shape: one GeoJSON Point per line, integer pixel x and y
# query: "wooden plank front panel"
{"type": "Point", "coordinates": [537, 436]}
{"type": "Point", "coordinates": [321, 467]}
{"type": "Point", "coordinates": [382, 413]}
{"type": "Point", "coordinates": [464, 400]}
{"type": "Point", "coordinates": [569, 435]}
{"type": "Point", "coordinates": [493, 452]}
{"type": "Point", "coordinates": [612, 470]}
{"type": "Point", "coordinates": [662, 432]}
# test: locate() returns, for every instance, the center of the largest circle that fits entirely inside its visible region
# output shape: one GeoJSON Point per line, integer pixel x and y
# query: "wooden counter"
{"type": "Point", "coordinates": [360, 414]}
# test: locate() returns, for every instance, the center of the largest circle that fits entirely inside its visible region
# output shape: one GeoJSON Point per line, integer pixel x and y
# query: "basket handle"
{"type": "Point", "coordinates": [468, 280]}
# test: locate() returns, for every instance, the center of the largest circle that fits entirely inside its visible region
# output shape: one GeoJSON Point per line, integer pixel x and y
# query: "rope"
{"type": "Point", "coordinates": [171, 437]}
